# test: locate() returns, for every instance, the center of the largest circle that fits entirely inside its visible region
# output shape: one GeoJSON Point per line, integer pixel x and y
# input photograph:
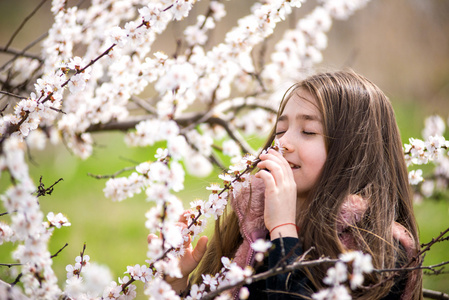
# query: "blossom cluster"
{"type": "Point", "coordinates": [27, 226]}
{"type": "Point", "coordinates": [433, 149]}
{"type": "Point", "coordinates": [86, 280]}
{"type": "Point", "coordinates": [163, 252]}
{"type": "Point", "coordinates": [339, 274]}
{"type": "Point", "coordinates": [229, 275]}
{"type": "Point", "coordinates": [98, 65]}
{"type": "Point", "coordinates": [301, 47]}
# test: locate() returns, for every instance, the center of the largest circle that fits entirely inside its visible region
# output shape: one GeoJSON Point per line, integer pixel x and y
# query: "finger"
{"type": "Point", "coordinates": [270, 155]}
{"type": "Point", "coordinates": [183, 218]}
{"type": "Point", "coordinates": [275, 153]}
{"type": "Point", "coordinates": [278, 172]}
{"type": "Point", "coordinates": [279, 159]}
{"type": "Point", "coordinates": [151, 237]}
{"type": "Point", "coordinates": [189, 238]}
{"type": "Point", "coordinates": [275, 157]}
{"type": "Point", "coordinates": [200, 249]}
{"type": "Point", "coordinates": [267, 178]}
{"type": "Point", "coordinates": [269, 164]}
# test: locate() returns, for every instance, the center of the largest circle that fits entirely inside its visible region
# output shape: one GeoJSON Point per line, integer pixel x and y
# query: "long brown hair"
{"type": "Point", "coordinates": [364, 157]}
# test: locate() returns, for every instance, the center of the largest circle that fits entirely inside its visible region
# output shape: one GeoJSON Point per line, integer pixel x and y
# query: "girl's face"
{"type": "Point", "coordinates": [300, 132]}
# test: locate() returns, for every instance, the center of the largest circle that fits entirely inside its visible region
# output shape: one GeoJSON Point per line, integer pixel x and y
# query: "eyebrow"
{"type": "Point", "coordinates": [301, 117]}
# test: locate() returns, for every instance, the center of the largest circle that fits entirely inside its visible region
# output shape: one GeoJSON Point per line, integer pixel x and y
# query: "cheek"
{"type": "Point", "coordinates": [320, 156]}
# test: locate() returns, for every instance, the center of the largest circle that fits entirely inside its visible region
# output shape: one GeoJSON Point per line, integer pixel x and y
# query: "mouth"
{"type": "Point", "coordinates": [293, 166]}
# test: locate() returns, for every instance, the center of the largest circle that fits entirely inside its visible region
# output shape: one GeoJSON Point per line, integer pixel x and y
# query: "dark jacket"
{"type": "Point", "coordinates": [248, 204]}
{"type": "Point", "coordinates": [296, 284]}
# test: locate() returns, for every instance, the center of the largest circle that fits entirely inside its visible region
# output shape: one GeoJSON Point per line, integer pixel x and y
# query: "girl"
{"type": "Point", "coordinates": [340, 184]}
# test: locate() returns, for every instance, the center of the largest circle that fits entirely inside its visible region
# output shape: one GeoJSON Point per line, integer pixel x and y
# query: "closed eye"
{"type": "Point", "coordinates": [309, 132]}
{"type": "Point", "coordinates": [279, 133]}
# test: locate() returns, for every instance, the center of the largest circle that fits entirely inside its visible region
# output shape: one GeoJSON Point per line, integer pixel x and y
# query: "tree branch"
{"type": "Point", "coordinates": [431, 267]}
{"type": "Point", "coordinates": [12, 95]}
{"type": "Point", "coordinates": [5, 213]}
{"type": "Point", "coordinates": [23, 23]}
{"type": "Point", "coordinates": [111, 175]}
{"type": "Point", "coordinates": [440, 238]}
{"type": "Point", "coordinates": [59, 251]}
{"type": "Point", "coordinates": [42, 191]}
{"type": "Point", "coordinates": [16, 281]}
{"type": "Point", "coordinates": [415, 258]}
{"type": "Point", "coordinates": [183, 121]}
{"type": "Point", "coordinates": [143, 104]}
{"type": "Point", "coordinates": [435, 294]}
{"type": "Point", "coordinates": [20, 53]}
{"type": "Point", "coordinates": [270, 273]}
{"type": "Point", "coordinates": [10, 265]}
{"type": "Point", "coordinates": [24, 50]}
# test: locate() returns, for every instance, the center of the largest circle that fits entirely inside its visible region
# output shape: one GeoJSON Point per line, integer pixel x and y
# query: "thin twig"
{"type": "Point", "coordinates": [59, 251]}
{"type": "Point", "coordinates": [215, 160]}
{"type": "Point", "coordinates": [270, 273]}
{"type": "Point", "coordinates": [16, 281]}
{"type": "Point", "coordinates": [233, 134]}
{"type": "Point", "coordinates": [415, 258]}
{"type": "Point", "coordinates": [24, 50]}
{"type": "Point", "coordinates": [23, 23]}
{"type": "Point", "coordinates": [435, 240]}
{"type": "Point", "coordinates": [20, 53]}
{"type": "Point", "coordinates": [10, 265]}
{"type": "Point", "coordinates": [432, 267]}
{"type": "Point", "coordinates": [143, 104]}
{"type": "Point", "coordinates": [111, 175]}
{"type": "Point", "coordinates": [82, 260]}
{"type": "Point", "coordinates": [42, 191]}
{"type": "Point", "coordinates": [3, 109]}
{"type": "Point", "coordinates": [291, 252]}
{"type": "Point", "coordinates": [12, 95]}
{"type": "Point", "coordinates": [106, 52]}
{"type": "Point", "coordinates": [4, 214]}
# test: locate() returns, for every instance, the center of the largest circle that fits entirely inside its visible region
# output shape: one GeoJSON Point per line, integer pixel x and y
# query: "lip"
{"type": "Point", "coordinates": [293, 166]}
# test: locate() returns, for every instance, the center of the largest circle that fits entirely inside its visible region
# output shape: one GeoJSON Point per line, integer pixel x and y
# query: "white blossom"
{"type": "Point", "coordinates": [57, 220]}
{"type": "Point", "coordinates": [261, 245]}
{"type": "Point", "coordinates": [158, 289]}
{"type": "Point", "coordinates": [112, 291]}
{"type": "Point", "coordinates": [433, 126]}
{"type": "Point", "coordinates": [36, 139]}
{"type": "Point", "coordinates": [427, 188]}
{"type": "Point", "coordinates": [336, 275]}
{"type": "Point", "coordinates": [197, 165]}
{"type": "Point", "coordinates": [231, 148]}
{"type": "Point", "coordinates": [244, 293]}
{"type": "Point", "coordinates": [96, 278]}
{"type": "Point", "coordinates": [415, 177]}
{"type": "Point", "coordinates": [6, 233]}
{"type": "Point", "coordinates": [337, 292]}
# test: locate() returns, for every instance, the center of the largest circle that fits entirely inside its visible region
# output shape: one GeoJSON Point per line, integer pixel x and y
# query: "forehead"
{"type": "Point", "coordinates": [301, 104]}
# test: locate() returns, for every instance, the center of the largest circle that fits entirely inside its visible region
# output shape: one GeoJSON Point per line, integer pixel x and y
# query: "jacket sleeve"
{"type": "Point", "coordinates": [295, 285]}
{"type": "Point", "coordinates": [292, 285]}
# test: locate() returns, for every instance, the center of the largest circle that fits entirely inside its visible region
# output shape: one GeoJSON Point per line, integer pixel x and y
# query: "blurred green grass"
{"type": "Point", "coordinates": [114, 232]}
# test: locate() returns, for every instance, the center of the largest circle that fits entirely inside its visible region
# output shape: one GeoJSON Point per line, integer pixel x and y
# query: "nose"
{"type": "Point", "coordinates": [288, 147]}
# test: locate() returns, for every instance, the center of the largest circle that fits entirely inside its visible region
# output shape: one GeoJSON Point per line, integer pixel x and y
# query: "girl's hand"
{"type": "Point", "coordinates": [280, 194]}
{"type": "Point", "coordinates": [189, 261]}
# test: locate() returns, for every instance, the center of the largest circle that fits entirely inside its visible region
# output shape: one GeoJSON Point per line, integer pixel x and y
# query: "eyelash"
{"type": "Point", "coordinates": [308, 133]}
{"type": "Point", "coordinates": [305, 132]}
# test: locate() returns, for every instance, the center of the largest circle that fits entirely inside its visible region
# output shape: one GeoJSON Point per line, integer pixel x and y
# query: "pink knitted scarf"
{"type": "Point", "coordinates": [249, 207]}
